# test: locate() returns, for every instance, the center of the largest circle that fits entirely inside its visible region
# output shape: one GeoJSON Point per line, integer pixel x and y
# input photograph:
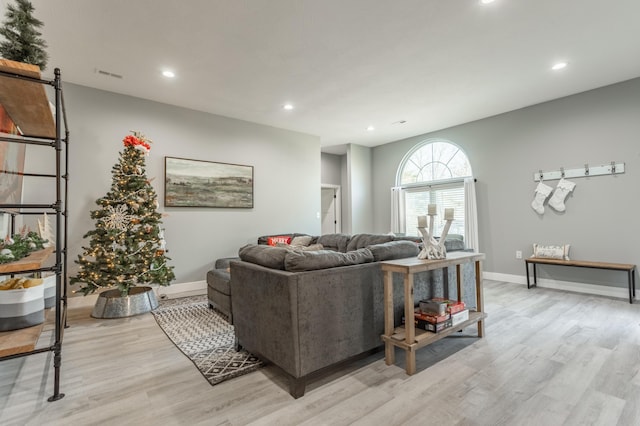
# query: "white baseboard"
{"type": "Point", "coordinates": [600, 290]}
{"type": "Point", "coordinates": [195, 287]}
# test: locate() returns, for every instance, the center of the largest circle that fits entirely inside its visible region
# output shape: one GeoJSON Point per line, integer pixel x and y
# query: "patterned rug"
{"type": "Point", "coordinates": [205, 337]}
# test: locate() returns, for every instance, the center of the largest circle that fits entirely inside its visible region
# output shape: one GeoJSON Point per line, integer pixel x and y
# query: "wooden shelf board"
{"type": "Point", "coordinates": [19, 341]}
{"type": "Point", "coordinates": [34, 117]}
{"type": "Point", "coordinates": [33, 261]}
{"type": "Point", "coordinates": [424, 337]}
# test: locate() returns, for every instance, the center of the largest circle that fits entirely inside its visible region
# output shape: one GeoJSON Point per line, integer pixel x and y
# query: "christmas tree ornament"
{"type": "Point", "coordinates": [563, 189]}
{"type": "Point", "coordinates": [542, 192]}
{"type": "Point", "coordinates": [122, 250]}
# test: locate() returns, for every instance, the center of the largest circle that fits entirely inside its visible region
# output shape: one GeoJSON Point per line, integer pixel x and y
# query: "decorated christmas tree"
{"type": "Point", "coordinates": [22, 39]}
{"type": "Point", "coordinates": [127, 247]}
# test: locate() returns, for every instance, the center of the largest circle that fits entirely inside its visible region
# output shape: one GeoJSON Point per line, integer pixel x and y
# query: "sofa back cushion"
{"type": "Point", "coordinates": [394, 250]}
{"type": "Point", "coordinates": [335, 242]}
{"type": "Point", "coordinates": [359, 241]}
{"type": "Point", "coordinates": [264, 255]}
{"type": "Point", "coordinates": [298, 261]}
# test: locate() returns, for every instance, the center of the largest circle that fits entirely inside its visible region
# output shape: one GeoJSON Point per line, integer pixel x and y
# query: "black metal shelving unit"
{"type": "Point", "coordinates": [22, 91]}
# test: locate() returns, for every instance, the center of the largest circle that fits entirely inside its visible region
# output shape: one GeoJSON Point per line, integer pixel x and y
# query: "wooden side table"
{"type": "Point", "coordinates": [407, 337]}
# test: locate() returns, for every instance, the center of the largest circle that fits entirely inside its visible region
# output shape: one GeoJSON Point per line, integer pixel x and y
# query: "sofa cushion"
{"type": "Point", "coordinates": [218, 279]}
{"type": "Point", "coordinates": [454, 242]}
{"type": "Point", "coordinates": [298, 261]}
{"type": "Point", "coordinates": [359, 241]}
{"type": "Point", "coordinates": [311, 247]}
{"type": "Point", "coordinates": [394, 250]}
{"type": "Point", "coordinates": [335, 242]}
{"type": "Point", "coordinates": [264, 255]}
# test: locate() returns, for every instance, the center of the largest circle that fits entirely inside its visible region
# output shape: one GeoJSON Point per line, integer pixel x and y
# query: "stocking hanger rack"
{"type": "Point", "coordinates": [612, 168]}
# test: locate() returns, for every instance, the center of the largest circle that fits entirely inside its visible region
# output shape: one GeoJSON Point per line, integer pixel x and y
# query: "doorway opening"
{"type": "Point", "coordinates": [330, 209]}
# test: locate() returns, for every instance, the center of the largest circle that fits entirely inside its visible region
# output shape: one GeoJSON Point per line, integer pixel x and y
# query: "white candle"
{"type": "Point", "coordinates": [448, 214]}
{"type": "Point", "coordinates": [422, 221]}
{"type": "Point", "coordinates": [432, 209]}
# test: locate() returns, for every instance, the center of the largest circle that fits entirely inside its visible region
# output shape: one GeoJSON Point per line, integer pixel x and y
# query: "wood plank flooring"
{"type": "Point", "coordinates": [549, 358]}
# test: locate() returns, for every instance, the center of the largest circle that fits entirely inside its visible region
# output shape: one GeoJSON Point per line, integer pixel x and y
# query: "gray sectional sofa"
{"type": "Point", "coordinates": [306, 311]}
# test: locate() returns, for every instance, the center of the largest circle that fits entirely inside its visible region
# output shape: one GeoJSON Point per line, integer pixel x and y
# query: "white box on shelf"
{"type": "Point", "coordinates": [459, 317]}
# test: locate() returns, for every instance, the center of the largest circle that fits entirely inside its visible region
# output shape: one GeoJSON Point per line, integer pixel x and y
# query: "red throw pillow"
{"type": "Point", "coordinates": [272, 241]}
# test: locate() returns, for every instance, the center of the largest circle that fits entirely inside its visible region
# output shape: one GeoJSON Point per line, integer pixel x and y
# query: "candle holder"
{"type": "Point", "coordinates": [432, 249]}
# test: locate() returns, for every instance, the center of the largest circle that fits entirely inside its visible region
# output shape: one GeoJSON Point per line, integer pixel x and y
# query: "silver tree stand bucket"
{"type": "Point", "coordinates": [111, 304]}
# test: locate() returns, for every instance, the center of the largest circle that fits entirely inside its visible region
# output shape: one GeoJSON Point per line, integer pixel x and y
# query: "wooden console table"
{"type": "Point", "coordinates": [630, 269]}
{"type": "Point", "coordinates": [407, 337]}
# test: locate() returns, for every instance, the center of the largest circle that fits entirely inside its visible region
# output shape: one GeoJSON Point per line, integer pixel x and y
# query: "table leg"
{"type": "Point", "coordinates": [445, 282]}
{"type": "Point", "coordinates": [411, 361]}
{"type": "Point", "coordinates": [389, 352]}
{"type": "Point", "coordinates": [409, 324]}
{"type": "Point", "coordinates": [479, 297]}
{"type": "Point", "coordinates": [459, 281]}
{"type": "Point", "coordinates": [526, 265]}
{"type": "Point", "coordinates": [632, 285]}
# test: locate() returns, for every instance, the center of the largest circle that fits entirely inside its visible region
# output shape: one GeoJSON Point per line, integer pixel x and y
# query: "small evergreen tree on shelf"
{"type": "Point", "coordinates": [22, 39]}
{"type": "Point", "coordinates": [127, 247]}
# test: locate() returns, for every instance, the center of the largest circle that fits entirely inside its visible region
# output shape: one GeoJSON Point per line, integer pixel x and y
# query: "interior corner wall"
{"type": "Point", "coordinates": [345, 202]}
{"type": "Point", "coordinates": [331, 169]}
{"type": "Point", "coordinates": [98, 122]}
{"type": "Point", "coordinates": [359, 172]}
{"type": "Point", "coordinates": [600, 221]}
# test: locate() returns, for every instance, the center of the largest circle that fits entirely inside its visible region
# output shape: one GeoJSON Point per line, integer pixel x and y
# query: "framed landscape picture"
{"type": "Point", "coordinates": [197, 183]}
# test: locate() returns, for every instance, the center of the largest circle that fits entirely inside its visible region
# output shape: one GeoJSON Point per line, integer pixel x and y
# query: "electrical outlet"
{"type": "Point", "coordinates": [518, 254]}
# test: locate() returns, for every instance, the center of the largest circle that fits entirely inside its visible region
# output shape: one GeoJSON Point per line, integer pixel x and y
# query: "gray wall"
{"type": "Point", "coordinates": [600, 221]}
{"type": "Point", "coordinates": [359, 172]}
{"type": "Point", "coordinates": [331, 169]}
{"type": "Point", "coordinates": [284, 162]}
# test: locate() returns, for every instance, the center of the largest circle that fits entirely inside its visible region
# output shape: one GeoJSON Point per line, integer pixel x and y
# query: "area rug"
{"type": "Point", "coordinates": [205, 337]}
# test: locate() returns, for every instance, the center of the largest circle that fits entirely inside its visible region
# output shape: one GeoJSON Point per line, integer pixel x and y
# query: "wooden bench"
{"type": "Point", "coordinates": [629, 268]}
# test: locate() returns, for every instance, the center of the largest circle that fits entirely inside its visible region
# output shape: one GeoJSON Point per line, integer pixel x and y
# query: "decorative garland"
{"type": "Point", "coordinates": [19, 246]}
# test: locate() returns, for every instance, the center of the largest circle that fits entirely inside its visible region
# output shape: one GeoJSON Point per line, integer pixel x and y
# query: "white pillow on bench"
{"type": "Point", "coordinates": [551, 252]}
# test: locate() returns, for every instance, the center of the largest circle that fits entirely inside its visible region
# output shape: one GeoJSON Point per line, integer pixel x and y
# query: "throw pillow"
{"type": "Point", "coordinates": [272, 241]}
{"type": "Point", "coordinates": [551, 252]}
{"type": "Point", "coordinates": [302, 240]}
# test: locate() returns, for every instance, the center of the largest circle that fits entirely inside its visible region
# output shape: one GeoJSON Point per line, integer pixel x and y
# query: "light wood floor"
{"type": "Point", "coordinates": [548, 358]}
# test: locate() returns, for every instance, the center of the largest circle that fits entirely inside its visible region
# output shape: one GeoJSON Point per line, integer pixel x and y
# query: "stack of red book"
{"type": "Point", "coordinates": [453, 306]}
{"type": "Point", "coordinates": [431, 322]}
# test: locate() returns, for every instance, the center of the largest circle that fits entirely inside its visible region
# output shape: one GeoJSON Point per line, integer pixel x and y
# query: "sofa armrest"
{"type": "Point", "coordinates": [265, 313]}
{"type": "Point", "coordinates": [224, 263]}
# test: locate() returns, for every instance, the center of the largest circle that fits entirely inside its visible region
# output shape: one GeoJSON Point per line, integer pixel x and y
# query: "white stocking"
{"type": "Point", "coordinates": [560, 194]}
{"type": "Point", "coordinates": [542, 192]}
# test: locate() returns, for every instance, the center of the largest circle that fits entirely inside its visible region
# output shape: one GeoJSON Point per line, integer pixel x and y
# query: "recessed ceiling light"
{"type": "Point", "coordinates": [168, 73]}
{"type": "Point", "coordinates": [486, 1]}
{"type": "Point", "coordinates": [370, 129]}
{"type": "Point", "coordinates": [559, 66]}
{"type": "Point", "coordinates": [288, 107]}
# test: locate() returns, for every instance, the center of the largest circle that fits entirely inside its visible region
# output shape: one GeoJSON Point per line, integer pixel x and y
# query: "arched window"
{"type": "Point", "coordinates": [432, 172]}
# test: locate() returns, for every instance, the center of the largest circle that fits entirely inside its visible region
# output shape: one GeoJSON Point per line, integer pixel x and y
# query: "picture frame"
{"type": "Point", "coordinates": [200, 183]}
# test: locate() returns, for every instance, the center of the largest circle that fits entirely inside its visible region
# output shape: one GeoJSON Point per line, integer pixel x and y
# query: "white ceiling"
{"type": "Point", "coordinates": [345, 64]}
